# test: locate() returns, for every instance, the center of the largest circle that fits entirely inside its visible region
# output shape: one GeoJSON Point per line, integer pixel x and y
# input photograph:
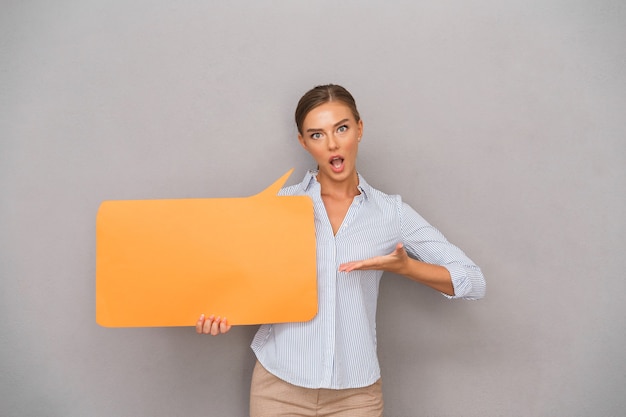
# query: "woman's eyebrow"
{"type": "Point", "coordinates": [335, 125]}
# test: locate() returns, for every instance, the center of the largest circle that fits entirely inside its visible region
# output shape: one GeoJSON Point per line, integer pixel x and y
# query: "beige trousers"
{"type": "Point", "coordinates": [272, 397]}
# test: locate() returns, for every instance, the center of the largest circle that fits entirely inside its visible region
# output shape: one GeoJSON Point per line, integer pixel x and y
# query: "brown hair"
{"type": "Point", "coordinates": [320, 95]}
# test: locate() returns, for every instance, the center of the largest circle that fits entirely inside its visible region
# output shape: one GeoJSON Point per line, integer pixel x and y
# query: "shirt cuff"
{"type": "Point", "coordinates": [468, 282]}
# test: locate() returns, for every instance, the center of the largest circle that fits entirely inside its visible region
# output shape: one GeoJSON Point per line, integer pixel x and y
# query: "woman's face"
{"type": "Point", "coordinates": [331, 134]}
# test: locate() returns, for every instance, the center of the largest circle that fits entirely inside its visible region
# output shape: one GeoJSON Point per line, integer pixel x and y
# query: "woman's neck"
{"type": "Point", "coordinates": [347, 188]}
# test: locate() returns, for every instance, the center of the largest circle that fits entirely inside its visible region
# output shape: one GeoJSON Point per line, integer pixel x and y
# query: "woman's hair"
{"type": "Point", "coordinates": [320, 95]}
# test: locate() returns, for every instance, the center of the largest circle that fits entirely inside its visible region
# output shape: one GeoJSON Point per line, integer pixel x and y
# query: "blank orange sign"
{"type": "Point", "coordinates": [165, 262]}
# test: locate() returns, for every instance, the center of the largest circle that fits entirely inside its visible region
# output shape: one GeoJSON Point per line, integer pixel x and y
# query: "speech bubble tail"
{"type": "Point", "coordinates": [273, 189]}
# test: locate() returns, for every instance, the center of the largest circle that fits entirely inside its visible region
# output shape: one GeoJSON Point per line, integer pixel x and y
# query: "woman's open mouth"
{"type": "Point", "coordinates": [336, 162]}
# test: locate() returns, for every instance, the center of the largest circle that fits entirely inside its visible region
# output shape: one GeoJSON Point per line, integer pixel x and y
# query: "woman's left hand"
{"type": "Point", "coordinates": [396, 262]}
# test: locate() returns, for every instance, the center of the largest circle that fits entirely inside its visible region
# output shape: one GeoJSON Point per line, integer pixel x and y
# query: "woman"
{"type": "Point", "coordinates": [329, 366]}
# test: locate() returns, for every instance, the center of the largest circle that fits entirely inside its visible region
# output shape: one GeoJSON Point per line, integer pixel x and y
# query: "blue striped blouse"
{"type": "Point", "coordinates": [337, 348]}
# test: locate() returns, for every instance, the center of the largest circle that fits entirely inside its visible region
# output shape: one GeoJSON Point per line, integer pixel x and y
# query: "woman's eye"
{"type": "Point", "coordinates": [342, 128]}
{"type": "Point", "coordinates": [316, 135]}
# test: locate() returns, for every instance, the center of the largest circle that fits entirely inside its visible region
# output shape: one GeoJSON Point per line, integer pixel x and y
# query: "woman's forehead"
{"type": "Point", "coordinates": [328, 114]}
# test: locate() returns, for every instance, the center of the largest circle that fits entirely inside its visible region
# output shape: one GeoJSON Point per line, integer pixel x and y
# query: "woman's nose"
{"type": "Point", "coordinates": [332, 142]}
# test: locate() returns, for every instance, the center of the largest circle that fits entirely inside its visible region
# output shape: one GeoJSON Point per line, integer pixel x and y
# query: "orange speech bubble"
{"type": "Point", "coordinates": [165, 262]}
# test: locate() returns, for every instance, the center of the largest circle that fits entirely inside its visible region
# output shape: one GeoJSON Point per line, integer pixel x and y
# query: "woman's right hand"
{"type": "Point", "coordinates": [212, 325]}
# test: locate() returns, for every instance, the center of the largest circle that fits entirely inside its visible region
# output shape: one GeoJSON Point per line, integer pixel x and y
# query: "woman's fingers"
{"type": "Point", "coordinates": [215, 327]}
{"type": "Point", "coordinates": [350, 266]}
{"type": "Point", "coordinates": [212, 325]}
{"type": "Point", "coordinates": [208, 323]}
{"type": "Point", "coordinates": [200, 324]}
{"type": "Point", "coordinates": [391, 262]}
{"type": "Point", "coordinates": [224, 326]}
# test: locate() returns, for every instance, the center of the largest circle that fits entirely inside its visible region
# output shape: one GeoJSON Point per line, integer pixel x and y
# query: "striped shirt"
{"type": "Point", "coordinates": [337, 348]}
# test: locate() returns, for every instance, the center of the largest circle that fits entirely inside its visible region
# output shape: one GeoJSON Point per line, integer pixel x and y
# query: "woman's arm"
{"type": "Point", "coordinates": [398, 262]}
{"type": "Point", "coordinates": [425, 256]}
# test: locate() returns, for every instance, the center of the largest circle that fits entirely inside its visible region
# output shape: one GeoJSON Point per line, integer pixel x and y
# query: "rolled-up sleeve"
{"type": "Point", "coordinates": [427, 244]}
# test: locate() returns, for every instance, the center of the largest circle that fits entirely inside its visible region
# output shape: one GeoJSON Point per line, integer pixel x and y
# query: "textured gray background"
{"type": "Point", "coordinates": [501, 122]}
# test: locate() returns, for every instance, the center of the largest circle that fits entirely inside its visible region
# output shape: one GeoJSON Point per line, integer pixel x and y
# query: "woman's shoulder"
{"type": "Point", "coordinates": [377, 195]}
{"type": "Point", "coordinates": [299, 188]}
{"type": "Point", "coordinates": [295, 189]}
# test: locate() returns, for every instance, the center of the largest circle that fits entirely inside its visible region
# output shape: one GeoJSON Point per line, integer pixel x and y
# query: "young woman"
{"type": "Point", "coordinates": [329, 366]}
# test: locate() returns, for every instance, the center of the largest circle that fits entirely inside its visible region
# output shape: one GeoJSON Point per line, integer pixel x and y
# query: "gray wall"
{"type": "Point", "coordinates": [501, 122]}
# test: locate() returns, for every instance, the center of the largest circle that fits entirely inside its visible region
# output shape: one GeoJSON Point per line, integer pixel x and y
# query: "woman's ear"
{"type": "Point", "coordinates": [360, 126]}
{"type": "Point", "coordinates": [302, 142]}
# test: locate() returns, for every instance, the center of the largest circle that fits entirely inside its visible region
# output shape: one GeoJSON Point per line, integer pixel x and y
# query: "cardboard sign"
{"type": "Point", "coordinates": [165, 262]}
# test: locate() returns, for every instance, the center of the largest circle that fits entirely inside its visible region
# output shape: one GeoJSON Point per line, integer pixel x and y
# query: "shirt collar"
{"type": "Point", "coordinates": [310, 178]}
